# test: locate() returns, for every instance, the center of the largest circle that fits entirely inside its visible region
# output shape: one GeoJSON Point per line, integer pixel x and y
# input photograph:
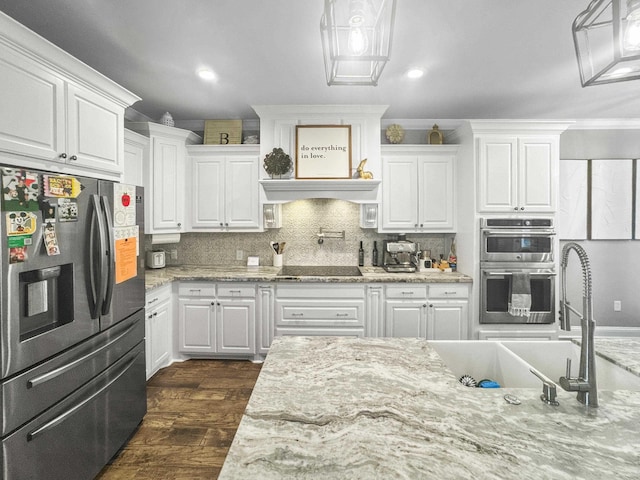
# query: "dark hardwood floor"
{"type": "Point", "coordinates": [194, 409]}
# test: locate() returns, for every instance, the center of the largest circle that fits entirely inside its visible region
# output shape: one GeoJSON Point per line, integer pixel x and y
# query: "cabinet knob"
{"type": "Point", "coordinates": [63, 155]}
{"type": "Point", "coordinates": [226, 224]}
{"type": "Point", "coordinates": [515, 208]}
{"type": "Point", "coordinates": [221, 224]}
{"type": "Point", "coordinates": [179, 224]}
{"type": "Point", "coordinates": [425, 305]}
{"type": "Point", "coordinates": [73, 158]}
{"type": "Point", "coordinates": [421, 225]}
{"type": "Point", "coordinates": [150, 316]}
{"type": "Point", "coordinates": [415, 224]}
{"type": "Point", "coordinates": [155, 314]}
{"type": "Point", "coordinates": [521, 208]}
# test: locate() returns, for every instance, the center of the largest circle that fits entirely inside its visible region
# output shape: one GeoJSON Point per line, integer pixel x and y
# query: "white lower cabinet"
{"type": "Point", "coordinates": [216, 319]}
{"type": "Point", "coordinates": [265, 309]}
{"type": "Point", "coordinates": [432, 311]}
{"type": "Point", "coordinates": [158, 308]}
{"type": "Point", "coordinates": [406, 311]}
{"type": "Point", "coordinates": [448, 312]}
{"type": "Point", "coordinates": [317, 309]}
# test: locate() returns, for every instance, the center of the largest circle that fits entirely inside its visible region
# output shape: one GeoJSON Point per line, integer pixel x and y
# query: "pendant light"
{"type": "Point", "coordinates": [607, 41]}
{"type": "Point", "coordinates": [356, 40]}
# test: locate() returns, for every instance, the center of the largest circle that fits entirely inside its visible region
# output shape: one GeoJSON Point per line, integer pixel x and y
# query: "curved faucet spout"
{"type": "Point", "coordinates": [585, 383]}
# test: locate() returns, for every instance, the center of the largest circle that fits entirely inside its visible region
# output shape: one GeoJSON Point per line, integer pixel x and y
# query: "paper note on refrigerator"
{"type": "Point", "coordinates": [126, 259]}
{"type": "Point", "coordinates": [124, 205]}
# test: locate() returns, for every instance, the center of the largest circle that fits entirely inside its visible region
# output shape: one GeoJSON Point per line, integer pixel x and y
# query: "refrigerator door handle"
{"type": "Point", "coordinates": [111, 264]}
{"type": "Point", "coordinates": [96, 263]}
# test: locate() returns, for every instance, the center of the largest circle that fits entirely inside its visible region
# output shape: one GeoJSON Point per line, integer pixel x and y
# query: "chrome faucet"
{"type": "Point", "coordinates": [585, 382]}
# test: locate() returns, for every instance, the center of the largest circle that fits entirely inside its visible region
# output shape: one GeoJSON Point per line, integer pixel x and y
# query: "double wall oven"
{"type": "Point", "coordinates": [517, 271]}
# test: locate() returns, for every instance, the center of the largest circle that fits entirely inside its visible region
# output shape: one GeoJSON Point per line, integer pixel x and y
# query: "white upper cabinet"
{"type": "Point", "coordinates": [136, 152]}
{"type": "Point", "coordinates": [164, 172]}
{"type": "Point", "coordinates": [517, 173]}
{"type": "Point", "coordinates": [224, 189]}
{"type": "Point", "coordinates": [418, 190]}
{"type": "Point", "coordinates": [58, 113]}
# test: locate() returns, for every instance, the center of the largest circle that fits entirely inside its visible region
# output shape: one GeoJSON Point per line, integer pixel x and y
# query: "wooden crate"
{"type": "Point", "coordinates": [222, 132]}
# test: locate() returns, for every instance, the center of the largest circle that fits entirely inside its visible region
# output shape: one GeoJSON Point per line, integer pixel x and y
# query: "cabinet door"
{"type": "Point", "coordinates": [242, 192]}
{"type": "Point", "coordinates": [207, 183]}
{"type": "Point", "coordinates": [265, 318]}
{"type": "Point", "coordinates": [436, 209]}
{"type": "Point", "coordinates": [95, 131]}
{"type": "Point", "coordinates": [196, 325]}
{"type": "Point", "coordinates": [136, 150]}
{"type": "Point", "coordinates": [497, 174]}
{"type": "Point", "coordinates": [236, 326]}
{"type": "Point", "coordinates": [399, 193]}
{"type": "Point", "coordinates": [374, 319]}
{"type": "Point", "coordinates": [167, 178]}
{"type": "Point", "coordinates": [537, 174]}
{"type": "Point", "coordinates": [160, 337]}
{"type": "Point", "coordinates": [405, 319]}
{"type": "Point", "coordinates": [32, 122]}
{"type": "Point", "coordinates": [611, 199]}
{"type": "Point", "coordinates": [447, 320]}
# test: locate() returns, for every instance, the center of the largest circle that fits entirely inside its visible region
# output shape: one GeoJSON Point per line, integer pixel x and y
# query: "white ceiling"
{"type": "Point", "coordinates": [484, 58]}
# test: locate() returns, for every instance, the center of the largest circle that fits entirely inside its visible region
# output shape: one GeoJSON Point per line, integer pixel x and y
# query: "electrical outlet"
{"type": "Point", "coordinates": [239, 254]}
{"type": "Point", "coordinates": [174, 254]}
{"type": "Point", "coordinates": [617, 305]}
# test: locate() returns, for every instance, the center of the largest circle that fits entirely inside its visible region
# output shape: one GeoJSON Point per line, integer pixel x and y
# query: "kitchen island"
{"type": "Point", "coordinates": [389, 408]}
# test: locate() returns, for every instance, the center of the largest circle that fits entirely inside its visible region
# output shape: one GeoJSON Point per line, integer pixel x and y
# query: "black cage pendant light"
{"type": "Point", "coordinates": [356, 40]}
{"type": "Point", "coordinates": [607, 41]}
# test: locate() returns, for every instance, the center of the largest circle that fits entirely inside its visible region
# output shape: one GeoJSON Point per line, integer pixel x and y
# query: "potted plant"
{"type": "Point", "coordinates": [277, 163]}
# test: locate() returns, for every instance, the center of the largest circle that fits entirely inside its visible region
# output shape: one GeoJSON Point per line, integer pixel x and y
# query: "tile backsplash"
{"type": "Point", "coordinates": [301, 221]}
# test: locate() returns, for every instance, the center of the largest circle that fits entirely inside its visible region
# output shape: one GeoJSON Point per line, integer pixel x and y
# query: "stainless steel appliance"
{"type": "Point", "coordinates": [72, 360]}
{"type": "Point", "coordinates": [399, 256]}
{"type": "Point", "coordinates": [517, 240]}
{"type": "Point", "coordinates": [517, 271]}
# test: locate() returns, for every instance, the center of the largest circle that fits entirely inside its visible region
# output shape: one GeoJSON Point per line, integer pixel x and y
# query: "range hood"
{"type": "Point", "coordinates": [356, 191]}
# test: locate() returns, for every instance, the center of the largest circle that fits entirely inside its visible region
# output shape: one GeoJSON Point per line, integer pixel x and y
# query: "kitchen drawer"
{"type": "Point", "coordinates": [197, 289]}
{"type": "Point", "coordinates": [320, 313]}
{"type": "Point", "coordinates": [319, 332]}
{"type": "Point", "coordinates": [448, 290]}
{"type": "Point", "coordinates": [157, 296]}
{"type": "Point", "coordinates": [407, 291]}
{"type": "Point", "coordinates": [324, 291]}
{"type": "Point", "coordinates": [236, 290]}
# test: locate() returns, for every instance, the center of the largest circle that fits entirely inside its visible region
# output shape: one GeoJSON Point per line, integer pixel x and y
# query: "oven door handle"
{"type": "Point", "coordinates": [519, 233]}
{"type": "Point", "coordinates": [502, 274]}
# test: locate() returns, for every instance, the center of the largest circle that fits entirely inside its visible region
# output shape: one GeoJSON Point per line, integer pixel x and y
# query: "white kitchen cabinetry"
{"type": "Point", "coordinates": [216, 324]}
{"type": "Point", "coordinates": [374, 326]}
{"type": "Point", "coordinates": [235, 319]}
{"type": "Point", "coordinates": [317, 309]}
{"type": "Point", "coordinates": [265, 325]}
{"type": "Point", "coordinates": [406, 311]}
{"type": "Point", "coordinates": [136, 151]}
{"type": "Point", "coordinates": [418, 190]}
{"type": "Point", "coordinates": [223, 188]}
{"type": "Point", "coordinates": [448, 312]}
{"type": "Point", "coordinates": [517, 173]}
{"type": "Point", "coordinates": [165, 176]}
{"type": "Point", "coordinates": [158, 309]}
{"type": "Point", "coordinates": [58, 113]}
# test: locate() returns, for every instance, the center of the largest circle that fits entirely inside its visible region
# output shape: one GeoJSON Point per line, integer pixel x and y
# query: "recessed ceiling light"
{"type": "Point", "coordinates": [415, 73]}
{"type": "Point", "coordinates": [206, 74]}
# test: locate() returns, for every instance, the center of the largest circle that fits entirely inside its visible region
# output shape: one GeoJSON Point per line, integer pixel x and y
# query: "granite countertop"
{"type": "Point", "coordinates": [158, 277]}
{"type": "Point", "coordinates": [336, 408]}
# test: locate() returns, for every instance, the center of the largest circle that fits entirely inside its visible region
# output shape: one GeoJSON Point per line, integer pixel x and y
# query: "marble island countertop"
{"type": "Point", "coordinates": [338, 408]}
{"type": "Point", "coordinates": [158, 277]}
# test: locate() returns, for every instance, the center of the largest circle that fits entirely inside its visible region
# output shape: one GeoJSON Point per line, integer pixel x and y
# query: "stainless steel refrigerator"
{"type": "Point", "coordinates": [72, 360]}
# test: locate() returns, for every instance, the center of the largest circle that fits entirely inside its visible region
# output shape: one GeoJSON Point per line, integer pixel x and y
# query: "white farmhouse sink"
{"type": "Point", "coordinates": [486, 360]}
{"type": "Point", "coordinates": [509, 363]}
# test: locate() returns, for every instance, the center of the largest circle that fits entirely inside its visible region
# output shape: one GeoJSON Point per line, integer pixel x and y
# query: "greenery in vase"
{"type": "Point", "coordinates": [277, 163]}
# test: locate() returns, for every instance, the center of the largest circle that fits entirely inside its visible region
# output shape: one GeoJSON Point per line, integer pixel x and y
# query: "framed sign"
{"type": "Point", "coordinates": [323, 151]}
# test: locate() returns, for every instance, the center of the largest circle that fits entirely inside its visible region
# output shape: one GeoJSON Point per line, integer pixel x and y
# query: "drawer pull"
{"type": "Point", "coordinates": [342, 314]}
{"type": "Point", "coordinates": [297, 314]}
{"type": "Point", "coordinates": [153, 301]}
{"type": "Point", "coordinates": [235, 291]}
{"type": "Point", "coordinates": [195, 290]}
{"type": "Point", "coordinates": [407, 293]}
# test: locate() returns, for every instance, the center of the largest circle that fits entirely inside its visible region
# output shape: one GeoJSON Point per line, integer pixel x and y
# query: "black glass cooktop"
{"type": "Point", "coordinates": [323, 271]}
